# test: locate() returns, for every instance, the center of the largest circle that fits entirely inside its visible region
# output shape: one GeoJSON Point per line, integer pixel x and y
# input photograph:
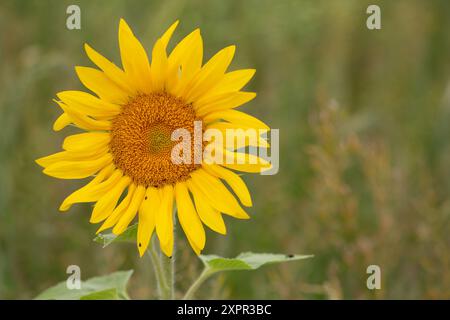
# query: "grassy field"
{"type": "Point", "coordinates": [364, 119]}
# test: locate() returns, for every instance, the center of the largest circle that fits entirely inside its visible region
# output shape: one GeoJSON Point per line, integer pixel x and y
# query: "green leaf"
{"type": "Point", "coordinates": [108, 294]}
{"type": "Point", "coordinates": [111, 286]}
{"type": "Point", "coordinates": [246, 261]}
{"type": "Point", "coordinates": [129, 235]}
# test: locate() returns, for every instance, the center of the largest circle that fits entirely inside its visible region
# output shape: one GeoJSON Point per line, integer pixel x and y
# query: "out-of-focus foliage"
{"type": "Point", "coordinates": [110, 287]}
{"type": "Point", "coordinates": [364, 144]}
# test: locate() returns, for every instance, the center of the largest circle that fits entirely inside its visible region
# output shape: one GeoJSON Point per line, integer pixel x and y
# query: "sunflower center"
{"type": "Point", "coordinates": [159, 138]}
{"type": "Point", "coordinates": [141, 142]}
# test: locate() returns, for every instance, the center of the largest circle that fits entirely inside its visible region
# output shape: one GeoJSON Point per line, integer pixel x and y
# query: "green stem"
{"type": "Point", "coordinates": [164, 270]}
{"type": "Point", "coordinates": [206, 273]}
{"type": "Point", "coordinates": [168, 268]}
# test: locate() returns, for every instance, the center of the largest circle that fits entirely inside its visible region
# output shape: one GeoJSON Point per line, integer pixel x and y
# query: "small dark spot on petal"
{"type": "Point", "coordinates": [145, 198]}
{"type": "Point", "coordinates": [140, 244]}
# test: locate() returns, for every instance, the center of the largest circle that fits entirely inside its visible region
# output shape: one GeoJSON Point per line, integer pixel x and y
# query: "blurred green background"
{"type": "Point", "coordinates": [364, 120]}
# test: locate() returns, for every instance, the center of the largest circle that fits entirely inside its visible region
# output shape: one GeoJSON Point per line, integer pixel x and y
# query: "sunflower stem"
{"type": "Point", "coordinates": [168, 268]}
{"type": "Point", "coordinates": [206, 273]}
{"type": "Point", "coordinates": [164, 270]}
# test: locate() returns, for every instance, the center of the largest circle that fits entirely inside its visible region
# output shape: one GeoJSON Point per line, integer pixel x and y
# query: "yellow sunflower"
{"type": "Point", "coordinates": [126, 144]}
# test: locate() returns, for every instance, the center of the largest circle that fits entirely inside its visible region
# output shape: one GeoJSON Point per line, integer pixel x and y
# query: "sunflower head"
{"type": "Point", "coordinates": [126, 144]}
{"type": "Point", "coordinates": [141, 142]}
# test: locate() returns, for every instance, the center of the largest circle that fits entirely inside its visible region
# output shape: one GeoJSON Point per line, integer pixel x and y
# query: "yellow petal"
{"type": "Point", "coordinates": [238, 137]}
{"type": "Point", "coordinates": [218, 195]}
{"type": "Point", "coordinates": [119, 210]}
{"type": "Point", "coordinates": [60, 156]}
{"type": "Point", "coordinates": [134, 59]}
{"type": "Point", "coordinates": [87, 104]}
{"type": "Point", "coordinates": [245, 162]}
{"type": "Point", "coordinates": [178, 57]}
{"type": "Point", "coordinates": [188, 217]}
{"type": "Point", "coordinates": [212, 72]}
{"type": "Point", "coordinates": [159, 66]}
{"type": "Point", "coordinates": [86, 141]}
{"type": "Point", "coordinates": [77, 169]}
{"type": "Point", "coordinates": [131, 211]}
{"type": "Point", "coordinates": [164, 220]}
{"type": "Point", "coordinates": [92, 192]}
{"type": "Point", "coordinates": [71, 156]}
{"type": "Point", "coordinates": [226, 101]}
{"type": "Point", "coordinates": [62, 122]}
{"type": "Point", "coordinates": [147, 211]}
{"type": "Point", "coordinates": [159, 59]}
{"type": "Point", "coordinates": [165, 38]}
{"type": "Point", "coordinates": [145, 231]}
{"type": "Point", "coordinates": [184, 62]}
{"type": "Point", "coordinates": [107, 203]}
{"type": "Point", "coordinates": [83, 121]}
{"type": "Point", "coordinates": [96, 81]}
{"type": "Point", "coordinates": [236, 117]}
{"type": "Point", "coordinates": [112, 71]}
{"type": "Point", "coordinates": [209, 216]}
{"type": "Point", "coordinates": [231, 82]}
{"type": "Point", "coordinates": [101, 176]}
{"type": "Point", "coordinates": [233, 180]}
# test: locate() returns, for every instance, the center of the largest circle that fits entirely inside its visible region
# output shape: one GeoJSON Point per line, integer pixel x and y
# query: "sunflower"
{"type": "Point", "coordinates": [125, 143]}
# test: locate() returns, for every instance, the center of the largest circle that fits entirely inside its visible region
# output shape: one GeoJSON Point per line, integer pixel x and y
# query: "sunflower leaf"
{"type": "Point", "coordinates": [109, 287]}
{"type": "Point", "coordinates": [129, 235]}
{"type": "Point", "coordinates": [108, 294]}
{"type": "Point", "coordinates": [246, 261]}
